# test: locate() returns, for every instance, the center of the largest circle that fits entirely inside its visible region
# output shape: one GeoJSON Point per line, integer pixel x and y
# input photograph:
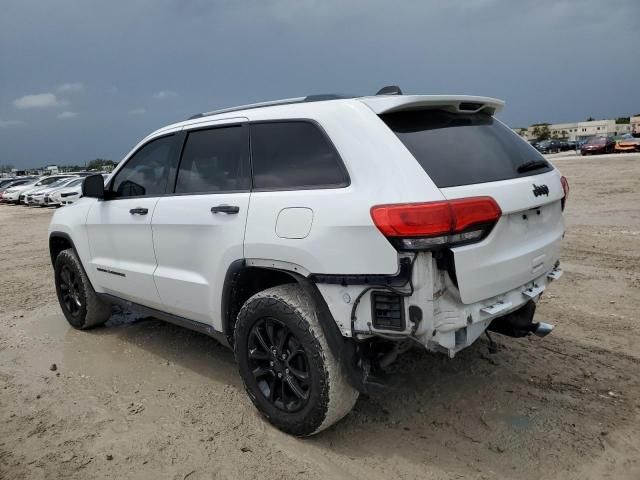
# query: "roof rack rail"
{"type": "Point", "coordinates": [272, 103]}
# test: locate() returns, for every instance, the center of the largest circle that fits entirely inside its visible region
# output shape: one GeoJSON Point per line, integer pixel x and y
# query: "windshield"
{"type": "Point", "coordinates": [57, 183]}
{"type": "Point", "coordinates": [49, 180]}
{"type": "Point", "coordinates": [596, 141]}
{"type": "Point", "coordinates": [75, 182]}
{"type": "Point", "coordinates": [15, 183]}
{"type": "Point", "coordinates": [66, 182]}
{"type": "Point", "coordinates": [461, 149]}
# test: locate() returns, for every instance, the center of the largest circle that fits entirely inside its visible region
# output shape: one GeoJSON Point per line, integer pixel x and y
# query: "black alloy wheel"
{"type": "Point", "coordinates": [288, 370]}
{"type": "Point", "coordinates": [70, 291]}
{"type": "Point", "coordinates": [279, 364]}
{"type": "Point", "coordinates": [78, 300]}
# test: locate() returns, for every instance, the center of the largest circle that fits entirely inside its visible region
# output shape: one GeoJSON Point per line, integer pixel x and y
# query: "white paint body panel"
{"type": "Point", "coordinates": [194, 248]}
{"type": "Point", "coordinates": [121, 242]}
{"type": "Point", "coordinates": [523, 245]}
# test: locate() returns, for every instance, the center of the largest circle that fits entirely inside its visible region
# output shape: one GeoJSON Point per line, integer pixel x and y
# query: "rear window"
{"type": "Point", "coordinates": [295, 154]}
{"type": "Point", "coordinates": [462, 149]}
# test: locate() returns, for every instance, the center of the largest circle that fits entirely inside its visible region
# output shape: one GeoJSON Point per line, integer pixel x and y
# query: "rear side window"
{"type": "Point", "coordinates": [146, 172]}
{"type": "Point", "coordinates": [215, 160]}
{"type": "Point", "coordinates": [462, 149]}
{"type": "Point", "coordinates": [295, 154]}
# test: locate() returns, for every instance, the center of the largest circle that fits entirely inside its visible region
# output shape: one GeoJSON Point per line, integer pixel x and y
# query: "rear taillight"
{"type": "Point", "coordinates": [425, 226]}
{"type": "Point", "coordinates": [565, 189]}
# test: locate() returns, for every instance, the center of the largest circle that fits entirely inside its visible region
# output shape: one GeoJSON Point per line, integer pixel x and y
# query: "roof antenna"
{"type": "Point", "coordinates": [390, 90]}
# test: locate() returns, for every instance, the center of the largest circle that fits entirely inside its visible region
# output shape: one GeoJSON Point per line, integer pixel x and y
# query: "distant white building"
{"type": "Point", "coordinates": [52, 169]}
{"type": "Point", "coordinates": [635, 125]}
{"type": "Point", "coordinates": [580, 130]}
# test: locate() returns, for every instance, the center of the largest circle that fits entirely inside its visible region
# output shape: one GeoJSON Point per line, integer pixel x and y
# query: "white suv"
{"type": "Point", "coordinates": [320, 237]}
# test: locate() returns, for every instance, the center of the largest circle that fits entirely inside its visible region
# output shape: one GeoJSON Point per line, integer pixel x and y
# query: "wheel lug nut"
{"type": "Point", "coordinates": [271, 363]}
{"type": "Point", "coordinates": [279, 375]}
{"type": "Point", "coordinates": [284, 356]}
{"type": "Point", "coordinates": [286, 370]}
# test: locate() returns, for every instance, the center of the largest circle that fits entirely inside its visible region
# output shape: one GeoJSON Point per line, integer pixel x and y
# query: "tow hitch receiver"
{"type": "Point", "coordinates": [543, 329]}
{"type": "Point", "coordinates": [520, 323]}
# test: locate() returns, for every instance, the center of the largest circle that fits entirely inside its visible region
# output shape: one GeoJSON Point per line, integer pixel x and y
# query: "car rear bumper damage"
{"type": "Point", "coordinates": [433, 313]}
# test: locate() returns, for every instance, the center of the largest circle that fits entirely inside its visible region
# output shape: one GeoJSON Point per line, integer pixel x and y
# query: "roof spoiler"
{"type": "Point", "coordinates": [454, 103]}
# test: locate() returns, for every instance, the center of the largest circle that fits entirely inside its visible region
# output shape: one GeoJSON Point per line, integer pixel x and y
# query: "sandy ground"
{"type": "Point", "coordinates": [143, 399]}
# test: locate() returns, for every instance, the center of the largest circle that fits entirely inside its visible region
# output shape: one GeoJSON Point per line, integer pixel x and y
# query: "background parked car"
{"type": "Point", "coordinates": [12, 194]}
{"type": "Point", "coordinates": [581, 142]}
{"type": "Point", "coordinates": [8, 183]}
{"type": "Point", "coordinates": [598, 145]}
{"type": "Point", "coordinates": [41, 183]}
{"type": "Point", "coordinates": [37, 197]}
{"type": "Point", "coordinates": [65, 195]}
{"type": "Point", "coordinates": [551, 146]}
{"type": "Point", "coordinates": [70, 193]}
{"type": "Point", "coordinates": [627, 143]}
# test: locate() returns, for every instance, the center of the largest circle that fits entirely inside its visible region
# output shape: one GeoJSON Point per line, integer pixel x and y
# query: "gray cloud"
{"type": "Point", "coordinates": [74, 87]}
{"type": "Point", "coordinates": [39, 100]}
{"type": "Point", "coordinates": [67, 115]}
{"type": "Point", "coordinates": [11, 123]}
{"type": "Point", "coordinates": [164, 94]}
{"type": "Point", "coordinates": [551, 60]}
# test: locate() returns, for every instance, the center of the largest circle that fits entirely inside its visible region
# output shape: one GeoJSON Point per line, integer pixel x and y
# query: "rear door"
{"type": "Point", "coordinates": [198, 231]}
{"type": "Point", "coordinates": [469, 155]}
{"type": "Point", "coordinates": [119, 227]}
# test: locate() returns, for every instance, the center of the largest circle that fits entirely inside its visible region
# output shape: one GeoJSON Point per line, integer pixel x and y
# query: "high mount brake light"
{"type": "Point", "coordinates": [565, 189]}
{"type": "Point", "coordinates": [424, 226]}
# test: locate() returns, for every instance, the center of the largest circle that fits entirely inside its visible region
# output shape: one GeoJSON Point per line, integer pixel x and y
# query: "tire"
{"type": "Point", "coordinates": [285, 317]}
{"type": "Point", "coordinates": [78, 300]}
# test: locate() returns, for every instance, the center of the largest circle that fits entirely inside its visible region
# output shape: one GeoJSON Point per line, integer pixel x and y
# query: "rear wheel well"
{"type": "Point", "coordinates": [57, 244]}
{"type": "Point", "coordinates": [241, 285]}
{"type": "Point", "coordinates": [242, 282]}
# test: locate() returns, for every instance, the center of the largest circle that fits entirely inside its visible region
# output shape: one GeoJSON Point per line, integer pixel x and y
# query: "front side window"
{"type": "Point", "coordinates": [146, 172]}
{"type": "Point", "coordinates": [294, 154]}
{"type": "Point", "coordinates": [215, 160]}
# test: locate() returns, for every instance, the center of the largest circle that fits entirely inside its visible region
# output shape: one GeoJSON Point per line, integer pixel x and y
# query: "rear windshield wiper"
{"type": "Point", "coordinates": [532, 165]}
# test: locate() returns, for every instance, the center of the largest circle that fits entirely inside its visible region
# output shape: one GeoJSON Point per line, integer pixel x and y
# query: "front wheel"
{"type": "Point", "coordinates": [286, 365]}
{"type": "Point", "coordinates": [78, 300]}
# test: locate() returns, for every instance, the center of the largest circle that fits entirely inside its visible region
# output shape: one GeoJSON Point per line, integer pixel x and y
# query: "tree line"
{"type": "Point", "coordinates": [95, 164]}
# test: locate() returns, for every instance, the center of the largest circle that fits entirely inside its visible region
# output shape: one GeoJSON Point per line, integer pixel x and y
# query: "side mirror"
{"type": "Point", "coordinates": [93, 186]}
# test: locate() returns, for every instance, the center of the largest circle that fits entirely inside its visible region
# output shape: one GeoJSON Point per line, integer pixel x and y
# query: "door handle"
{"type": "Point", "coordinates": [139, 211]}
{"type": "Point", "coordinates": [228, 209]}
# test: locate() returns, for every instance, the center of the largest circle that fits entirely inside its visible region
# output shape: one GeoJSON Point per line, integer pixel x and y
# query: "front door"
{"type": "Point", "coordinates": [119, 227]}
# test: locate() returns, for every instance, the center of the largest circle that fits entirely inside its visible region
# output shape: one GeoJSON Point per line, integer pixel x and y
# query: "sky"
{"type": "Point", "coordinates": [88, 79]}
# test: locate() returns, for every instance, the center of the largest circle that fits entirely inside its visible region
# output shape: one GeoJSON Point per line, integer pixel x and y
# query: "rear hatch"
{"type": "Point", "coordinates": [472, 154]}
